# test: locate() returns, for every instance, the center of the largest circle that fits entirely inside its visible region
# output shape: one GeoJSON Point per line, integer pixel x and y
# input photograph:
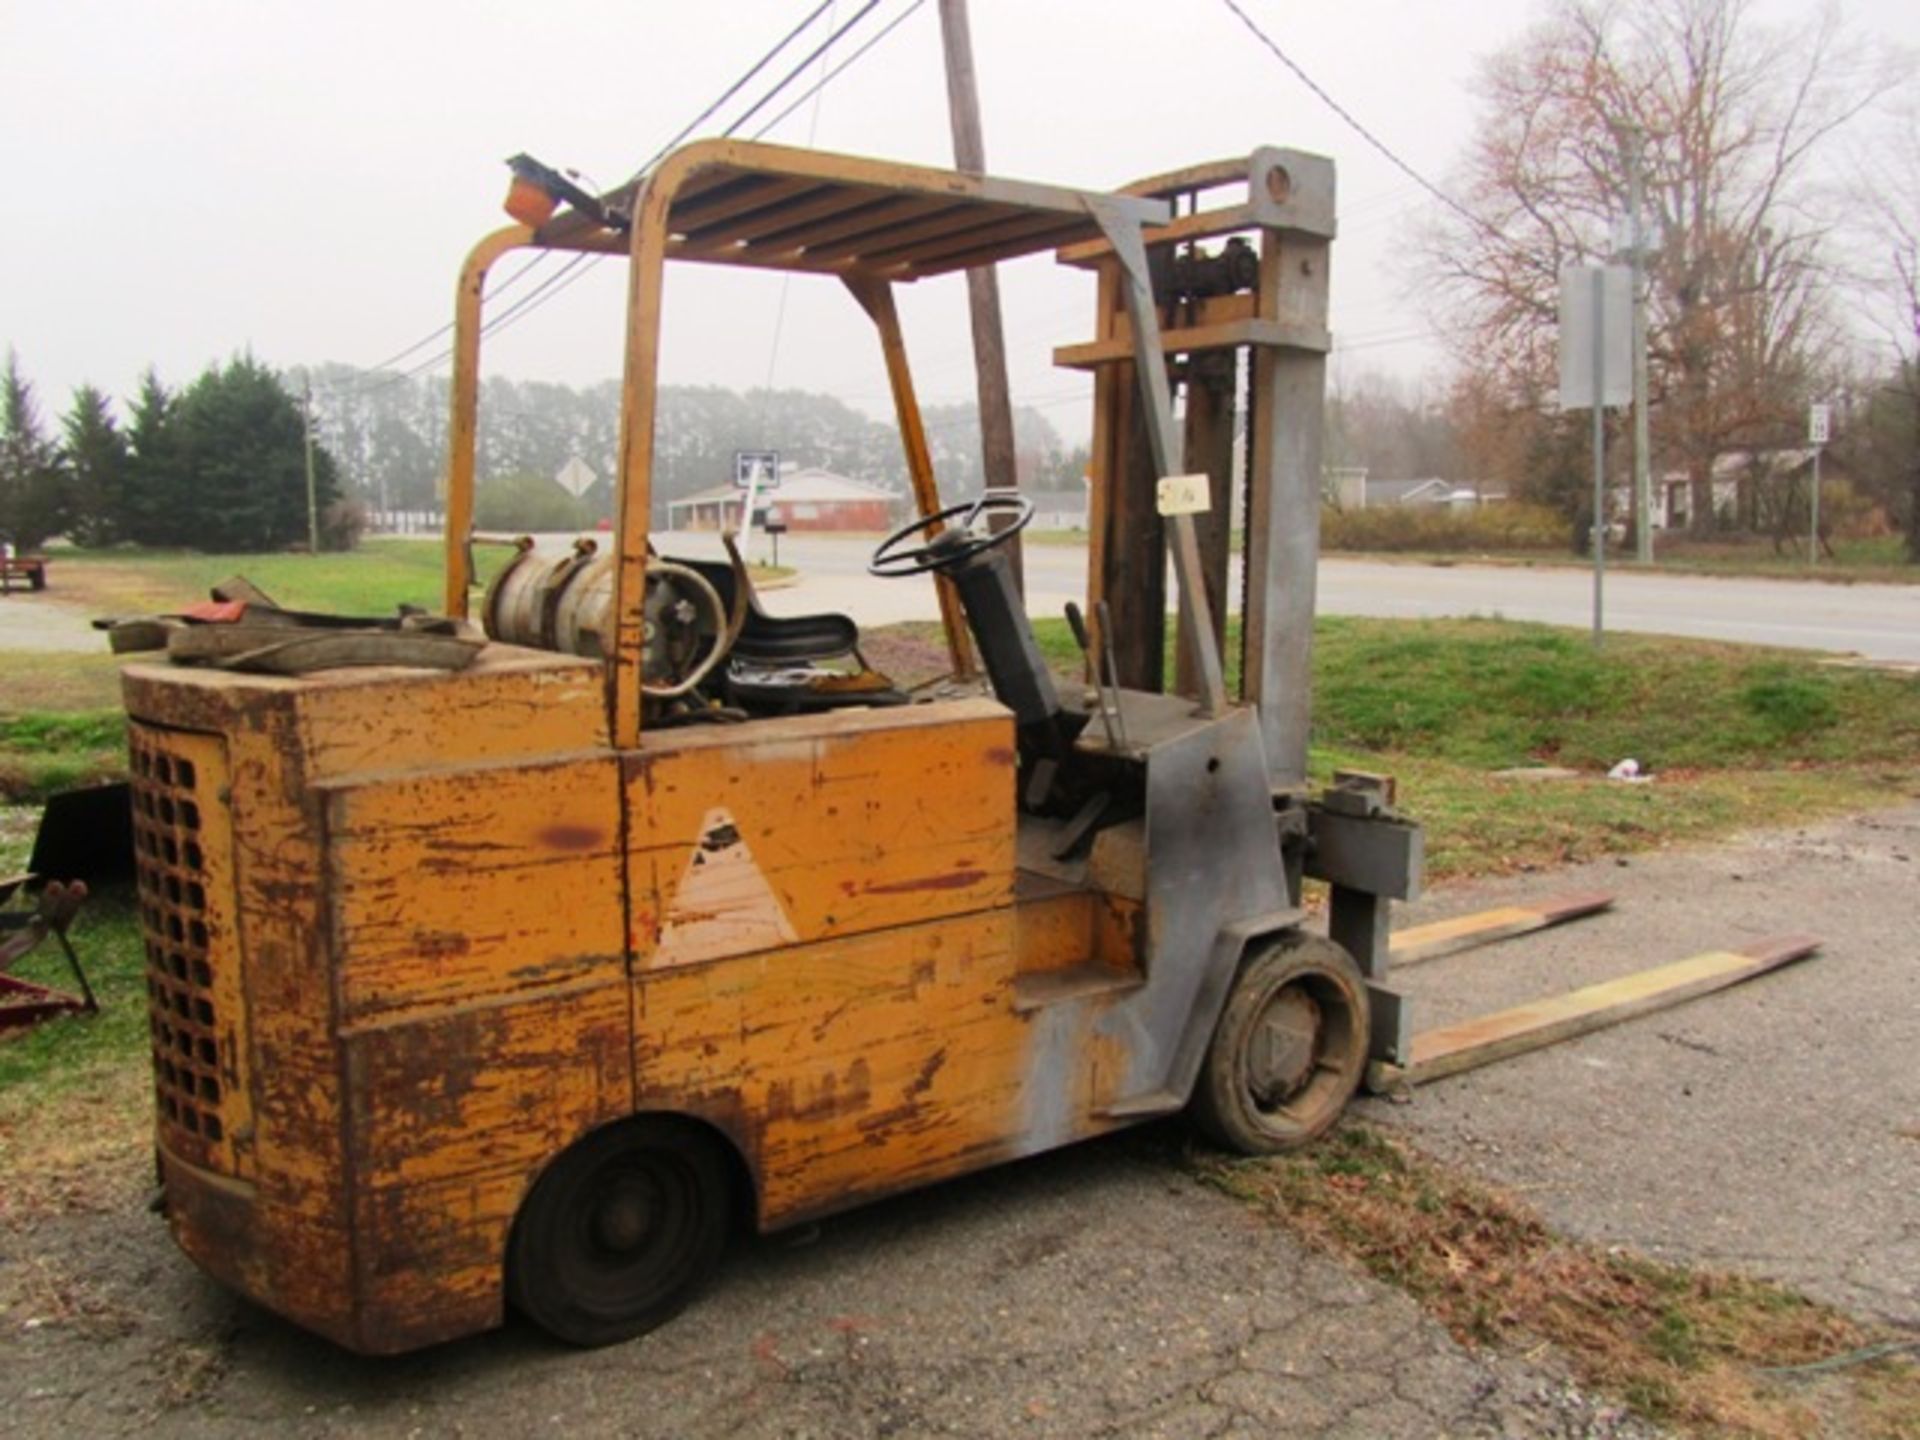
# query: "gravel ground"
{"type": "Point", "coordinates": [42, 622]}
{"type": "Point", "coordinates": [1772, 1128]}
{"type": "Point", "coordinates": [1097, 1292]}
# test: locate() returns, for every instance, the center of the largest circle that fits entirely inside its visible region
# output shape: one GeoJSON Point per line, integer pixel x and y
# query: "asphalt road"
{"type": "Point", "coordinates": [1881, 622]}
{"type": "Point", "coordinates": [1772, 1128]}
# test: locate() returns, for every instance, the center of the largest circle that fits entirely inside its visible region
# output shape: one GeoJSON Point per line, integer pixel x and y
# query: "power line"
{"type": "Point", "coordinates": [1354, 124]}
{"type": "Point", "coordinates": [827, 78]}
{"type": "Point", "coordinates": [740, 84]}
{"type": "Point", "coordinates": [541, 257]}
{"type": "Point", "coordinates": [580, 263]}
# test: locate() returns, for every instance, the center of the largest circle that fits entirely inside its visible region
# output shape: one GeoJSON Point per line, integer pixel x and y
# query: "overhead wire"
{"type": "Point", "coordinates": [1354, 124]}
{"type": "Point", "coordinates": [549, 285]}
{"type": "Point", "coordinates": [580, 263]}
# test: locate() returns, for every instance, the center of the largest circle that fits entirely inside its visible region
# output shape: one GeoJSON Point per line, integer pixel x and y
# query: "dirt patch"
{"type": "Point", "coordinates": [45, 623]}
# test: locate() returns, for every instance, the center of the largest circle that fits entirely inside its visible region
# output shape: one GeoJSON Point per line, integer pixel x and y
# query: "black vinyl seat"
{"type": "Point", "coordinates": [778, 639]}
{"type": "Point", "coordinates": [774, 669]}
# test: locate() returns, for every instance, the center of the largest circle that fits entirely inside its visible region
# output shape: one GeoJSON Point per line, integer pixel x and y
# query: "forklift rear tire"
{"type": "Point", "coordinates": [621, 1231]}
{"type": "Point", "coordinates": [1289, 1050]}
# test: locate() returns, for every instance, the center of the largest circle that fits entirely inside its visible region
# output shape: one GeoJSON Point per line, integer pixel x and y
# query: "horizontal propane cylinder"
{"type": "Point", "coordinates": [553, 602]}
{"type": "Point", "coordinates": [565, 603]}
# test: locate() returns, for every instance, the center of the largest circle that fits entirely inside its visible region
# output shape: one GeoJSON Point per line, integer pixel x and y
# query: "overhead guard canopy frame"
{"type": "Point", "coordinates": [871, 223]}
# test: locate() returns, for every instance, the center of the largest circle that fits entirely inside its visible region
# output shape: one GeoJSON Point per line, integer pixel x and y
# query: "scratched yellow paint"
{"type": "Point", "coordinates": [473, 932]}
{"type": "Point", "coordinates": [511, 704]}
{"type": "Point", "coordinates": [847, 1068]}
{"type": "Point", "coordinates": [464, 886]}
{"type": "Point", "coordinates": [855, 825]}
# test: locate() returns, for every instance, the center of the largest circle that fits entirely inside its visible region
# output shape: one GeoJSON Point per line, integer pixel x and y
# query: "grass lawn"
{"type": "Point", "coordinates": [372, 580]}
{"type": "Point", "coordinates": [1737, 737]}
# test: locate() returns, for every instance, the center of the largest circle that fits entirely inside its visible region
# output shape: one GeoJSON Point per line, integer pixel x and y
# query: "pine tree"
{"type": "Point", "coordinates": [242, 459]}
{"type": "Point", "coordinates": [152, 513]}
{"type": "Point", "coordinates": [35, 497]}
{"type": "Point", "coordinates": [97, 459]}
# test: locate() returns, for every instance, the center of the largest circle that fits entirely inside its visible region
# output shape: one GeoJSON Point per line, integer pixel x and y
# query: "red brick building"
{"type": "Point", "coordinates": [810, 499]}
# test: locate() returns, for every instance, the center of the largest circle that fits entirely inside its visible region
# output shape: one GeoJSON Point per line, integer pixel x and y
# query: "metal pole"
{"type": "Point", "coordinates": [983, 283]}
{"type": "Point", "coordinates": [1813, 539]}
{"type": "Point", "coordinates": [1642, 448]}
{"type": "Point", "coordinates": [313, 504]}
{"type": "Point", "coordinates": [1599, 448]}
{"type": "Point", "coordinates": [746, 508]}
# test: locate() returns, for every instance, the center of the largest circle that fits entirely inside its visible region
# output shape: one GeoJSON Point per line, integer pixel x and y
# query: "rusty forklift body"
{"type": "Point", "coordinates": [439, 960]}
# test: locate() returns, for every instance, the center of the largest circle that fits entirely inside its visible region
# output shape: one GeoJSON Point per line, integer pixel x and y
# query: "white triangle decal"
{"type": "Point", "coordinates": [724, 905]}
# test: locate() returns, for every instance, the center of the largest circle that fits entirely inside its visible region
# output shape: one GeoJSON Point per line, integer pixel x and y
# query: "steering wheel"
{"type": "Point", "coordinates": [949, 546]}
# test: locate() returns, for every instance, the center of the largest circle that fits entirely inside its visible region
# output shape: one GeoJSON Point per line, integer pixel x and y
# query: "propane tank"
{"type": "Point", "coordinates": [565, 603]}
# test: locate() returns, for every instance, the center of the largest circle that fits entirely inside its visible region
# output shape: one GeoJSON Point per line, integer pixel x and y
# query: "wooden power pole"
{"type": "Point", "coordinates": [983, 284]}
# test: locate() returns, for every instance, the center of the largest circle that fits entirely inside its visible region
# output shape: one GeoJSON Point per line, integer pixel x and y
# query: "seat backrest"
{"type": "Point", "coordinates": [778, 639]}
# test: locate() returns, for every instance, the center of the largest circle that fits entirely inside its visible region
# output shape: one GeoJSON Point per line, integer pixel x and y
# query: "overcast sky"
{"type": "Point", "coordinates": [186, 178]}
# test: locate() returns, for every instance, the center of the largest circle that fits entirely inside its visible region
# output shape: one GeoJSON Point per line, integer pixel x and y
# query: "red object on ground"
{"type": "Point", "coordinates": [215, 612]}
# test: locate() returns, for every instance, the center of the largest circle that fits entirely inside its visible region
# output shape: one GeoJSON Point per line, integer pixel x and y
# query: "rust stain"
{"type": "Point", "coordinates": [572, 837]}
{"type": "Point", "coordinates": [953, 880]}
{"type": "Point", "coordinates": [923, 1081]}
{"type": "Point", "coordinates": [440, 944]}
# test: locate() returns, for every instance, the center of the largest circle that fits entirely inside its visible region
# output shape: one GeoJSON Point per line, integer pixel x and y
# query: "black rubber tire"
{"type": "Point", "coordinates": [620, 1231]}
{"type": "Point", "coordinates": [1318, 999]}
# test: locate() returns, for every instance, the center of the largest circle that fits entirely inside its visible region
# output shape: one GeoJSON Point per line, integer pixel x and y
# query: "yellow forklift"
{"type": "Point", "coordinates": [512, 968]}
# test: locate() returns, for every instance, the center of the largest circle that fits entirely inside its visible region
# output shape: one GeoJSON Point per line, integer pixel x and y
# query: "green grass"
{"type": "Point", "coordinates": [61, 1053]}
{"type": "Point", "coordinates": [1494, 694]}
{"type": "Point", "coordinates": [41, 752]}
{"type": "Point", "coordinates": [1739, 738]}
{"type": "Point", "coordinates": [372, 580]}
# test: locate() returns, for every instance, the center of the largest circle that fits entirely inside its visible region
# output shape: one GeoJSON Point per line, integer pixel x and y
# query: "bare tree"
{"type": "Point", "coordinates": [1885, 201]}
{"type": "Point", "coordinates": [1728, 115]}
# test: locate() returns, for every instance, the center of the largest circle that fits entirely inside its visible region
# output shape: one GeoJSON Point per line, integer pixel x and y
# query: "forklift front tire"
{"type": "Point", "coordinates": [1289, 1050]}
{"type": "Point", "coordinates": [620, 1231]}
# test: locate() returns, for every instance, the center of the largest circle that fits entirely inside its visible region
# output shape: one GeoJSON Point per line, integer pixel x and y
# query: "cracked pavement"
{"type": "Point", "coordinates": [1098, 1292]}
{"type": "Point", "coordinates": [1773, 1128]}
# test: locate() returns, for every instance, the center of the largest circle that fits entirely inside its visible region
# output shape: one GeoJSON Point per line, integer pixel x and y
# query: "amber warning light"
{"type": "Point", "coordinates": [537, 190]}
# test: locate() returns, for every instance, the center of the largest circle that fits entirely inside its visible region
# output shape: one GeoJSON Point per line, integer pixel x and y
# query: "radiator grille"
{"type": "Point", "coordinates": [182, 851]}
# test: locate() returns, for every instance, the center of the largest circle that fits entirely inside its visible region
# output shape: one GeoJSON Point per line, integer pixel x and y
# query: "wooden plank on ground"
{"type": "Point", "coordinates": [1480, 1041]}
{"type": "Point", "coordinates": [1483, 927]}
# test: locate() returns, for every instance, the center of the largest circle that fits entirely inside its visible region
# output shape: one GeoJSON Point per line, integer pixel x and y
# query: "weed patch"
{"type": "Point", "coordinates": [1684, 1348]}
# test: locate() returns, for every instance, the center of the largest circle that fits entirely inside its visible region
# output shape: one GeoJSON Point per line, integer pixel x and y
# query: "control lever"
{"type": "Point", "coordinates": [1112, 668]}
{"type": "Point", "coordinates": [1109, 719]}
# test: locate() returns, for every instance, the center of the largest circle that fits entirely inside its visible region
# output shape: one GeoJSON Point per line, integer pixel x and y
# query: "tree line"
{"type": "Point", "coordinates": [218, 465]}
{"type": "Point", "coordinates": [1776, 260]}
{"type": "Point", "coordinates": [388, 433]}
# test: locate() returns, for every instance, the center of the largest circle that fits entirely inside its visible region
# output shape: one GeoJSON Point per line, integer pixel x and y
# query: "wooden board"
{"type": "Point", "coordinates": [1480, 1041]}
{"type": "Point", "coordinates": [1464, 932]}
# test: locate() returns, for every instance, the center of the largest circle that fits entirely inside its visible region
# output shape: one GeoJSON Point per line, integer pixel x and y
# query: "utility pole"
{"type": "Point", "coordinates": [983, 284]}
{"type": "Point", "coordinates": [1637, 258]}
{"type": "Point", "coordinates": [313, 505]}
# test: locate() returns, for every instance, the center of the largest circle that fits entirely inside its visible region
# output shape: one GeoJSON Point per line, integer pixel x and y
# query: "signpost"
{"type": "Point", "coordinates": [1596, 370]}
{"type": "Point", "coordinates": [1819, 423]}
{"type": "Point", "coordinates": [753, 472]}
